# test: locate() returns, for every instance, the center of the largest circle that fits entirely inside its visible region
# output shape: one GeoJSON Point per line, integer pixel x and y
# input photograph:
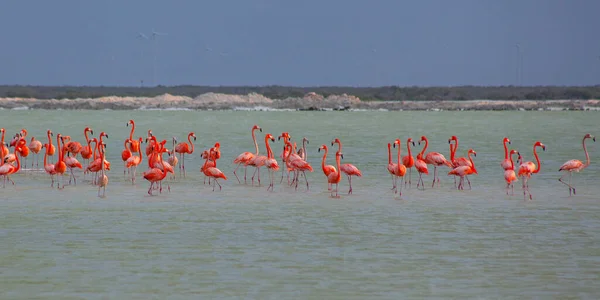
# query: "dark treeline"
{"type": "Point", "coordinates": [282, 92]}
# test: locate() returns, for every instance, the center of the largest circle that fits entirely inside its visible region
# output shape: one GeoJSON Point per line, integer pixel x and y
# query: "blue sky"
{"type": "Point", "coordinates": [300, 43]}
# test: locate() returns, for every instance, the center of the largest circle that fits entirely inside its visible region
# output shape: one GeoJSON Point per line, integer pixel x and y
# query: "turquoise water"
{"type": "Point", "coordinates": [246, 243]}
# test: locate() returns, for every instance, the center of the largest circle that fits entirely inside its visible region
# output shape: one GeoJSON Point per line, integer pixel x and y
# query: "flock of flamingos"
{"type": "Point", "coordinates": [293, 161]}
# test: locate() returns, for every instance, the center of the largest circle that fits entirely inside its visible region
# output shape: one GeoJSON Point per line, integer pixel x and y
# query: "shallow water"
{"type": "Point", "coordinates": [246, 243]}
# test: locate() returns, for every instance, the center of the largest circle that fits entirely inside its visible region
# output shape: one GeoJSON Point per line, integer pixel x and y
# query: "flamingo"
{"type": "Point", "coordinates": [3, 148]}
{"type": "Point", "coordinates": [154, 175]}
{"type": "Point", "coordinates": [408, 161]}
{"type": "Point", "coordinates": [172, 160]}
{"type": "Point", "coordinates": [86, 151]}
{"type": "Point", "coordinates": [22, 150]}
{"type": "Point", "coordinates": [72, 163]}
{"type": "Point", "coordinates": [421, 167]}
{"type": "Point", "coordinates": [134, 145]}
{"type": "Point", "coordinates": [125, 155]}
{"type": "Point", "coordinates": [150, 146]}
{"type": "Point", "coordinates": [50, 149]}
{"type": "Point", "coordinates": [7, 169]}
{"type": "Point", "coordinates": [183, 149]}
{"type": "Point", "coordinates": [391, 167]}
{"type": "Point", "coordinates": [575, 165]}
{"type": "Point", "coordinates": [103, 180]}
{"type": "Point", "coordinates": [271, 162]}
{"type": "Point", "coordinates": [60, 167]}
{"type": "Point", "coordinates": [73, 147]}
{"type": "Point", "coordinates": [433, 158]}
{"type": "Point", "coordinates": [336, 177]}
{"type": "Point", "coordinates": [299, 165]}
{"type": "Point", "coordinates": [245, 157]}
{"type": "Point", "coordinates": [463, 171]}
{"type": "Point", "coordinates": [48, 167]}
{"type": "Point", "coordinates": [506, 164]}
{"type": "Point", "coordinates": [400, 169]}
{"type": "Point", "coordinates": [348, 169]}
{"type": "Point", "coordinates": [509, 174]}
{"type": "Point", "coordinates": [286, 137]}
{"type": "Point", "coordinates": [134, 160]}
{"type": "Point", "coordinates": [327, 169]}
{"type": "Point", "coordinates": [457, 162]}
{"type": "Point", "coordinates": [213, 171]}
{"type": "Point", "coordinates": [35, 146]}
{"type": "Point", "coordinates": [526, 169]}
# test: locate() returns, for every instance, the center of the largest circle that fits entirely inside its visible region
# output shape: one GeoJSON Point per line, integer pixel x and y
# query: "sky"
{"type": "Point", "coordinates": [300, 43]}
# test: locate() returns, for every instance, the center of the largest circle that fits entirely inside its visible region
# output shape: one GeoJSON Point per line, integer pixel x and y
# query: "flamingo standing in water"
{"type": "Point", "coordinates": [213, 171]}
{"type": "Point", "coordinates": [457, 161]}
{"type": "Point", "coordinates": [271, 162]}
{"type": "Point", "coordinates": [526, 169]}
{"type": "Point", "coordinates": [509, 175]}
{"type": "Point", "coordinates": [86, 151]}
{"type": "Point", "coordinates": [172, 160]}
{"type": "Point", "coordinates": [336, 177]}
{"type": "Point", "coordinates": [421, 167]}
{"type": "Point", "coordinates": [391, 167]}
{"type": "Point", "coordinates": [408, 161]}
{"type": "Point", "coordinates": [134, 144]}
{"type": "Point", "coordinates": [298, 165]}
{"type": "Point", "coordinates": [7, 169]}
{"type": "Point", "coordinates": [433, 158]}
{"type": "Point", "coordinates": [463, 171]}
{"type": "Point", "coordinates": [134, 160]}
{"type": "Point", "coordinates": [35, 146]}
{"type": "Point", "coordinates": [245, 157]}
{"type": "Point", "coordinates": [400, 170]}
{"type": "Point", "coordinates": [155, 175]}
{"type": "Point", "coordinates": [348, 169]}
{"type": "Point", "coordinates": [183, 149]}
{"type": "Point", "coordinates": [327, 169]}
{"type": "Point", "coordinates": [125, 155]}
{"type": "Point", "coordinates": [103, 180]}
{"type": "Point", "coordinates": [286, 137]}
{"type": "Point", "coordinates": [506, 164]}
{"type": "Point", "coordinates": [72, 163]}
{"type": "Point", "coordinates": [3, 149]}
{"type": "Point", "coordinates": [50, 149]}
{"type": "Point", "coordinates": [60, 167]}
{"type": "Point", "coordinates": [575, 165]}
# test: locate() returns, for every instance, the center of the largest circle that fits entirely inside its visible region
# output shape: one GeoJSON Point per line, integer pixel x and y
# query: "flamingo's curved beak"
{"type": "Point", "coordinates": [342, 155]}
{"type": "Point", "coordinates": [544, 148]}
{"type": "Point", "coordinates": [594, 139]}
{"type": "Point", "coordinates": [413, 144]}
{"type": "Point", "coordinates": [91, 132]}
{"type": "Point", "coordinates": [106, 135]}
{"type": "Point", "coordinates": [319, 150]}
{"type": "Point", "coordinates": [509, 142]}
{"type": "Point", "coordinates": [394, 145]}
{"type": "Point", "coordinates": [194, 138]}
{"type": "Point", "coordinates": [260, 129]}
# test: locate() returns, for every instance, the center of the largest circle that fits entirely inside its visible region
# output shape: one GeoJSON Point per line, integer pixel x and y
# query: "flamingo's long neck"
{"type": "Point", "coordinates": [304, 150]}
{"type": "Point", "coordinates": [408, 147]}
{"type": "Point", "coordinates": [453, 150]}
{"type": "Point", "coordinates": [125, 143]}
{"type": "Point", "coordinates": [512, 163]}
{"type": "Point", "coordinates": [140, 151]}
{"type": "Point", "coordinates": [102, 158]}
{"type": "Point", "coordinates": [49, 141]}
{"type": "Point", "coordinates": [18, 160]}
{"type": "Point", "coordinates": [45, 156]}
{"type": "Point", "coordinates": [324, 159]}
{"type": "Point", "coordinates": [472, 163]}
{"type": "Point", "coordinates": [191, 144]}
{"type": "Point", "coordinates": [399, 146]}
{"type": "Point", "coordinates": [389, 154]}
{"type": "Point", "coordinates": [587, 156]}
{"type": "Point", "coordinates": [424, 148]}
{"type": "Point", "coordinates": [60, 150]}
{"type": "Point", "coordinates": [505, 150]}
{"type": "Point", "coordinates": [537, 159]}
{"type": "Point", "coordinates": [337, 162]}
{"type": "Point", "coordinates": [255, 142]}
{"type": "Point", "coordinates": [87, 139]}
{"type": "Point", "coordinates": [339, 146]}
{"type": "Point", "coordinates": [269, 152]}
{"type": "Point", "coordinates": [95, 154]}
{"type": "Point", "coordinates": [132, 130]}
{"type": "Point", "coordinates": [2, 147]}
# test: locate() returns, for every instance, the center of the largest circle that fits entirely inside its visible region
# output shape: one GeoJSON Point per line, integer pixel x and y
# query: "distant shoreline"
{"type": "Point", "coordinates": [309, 102]}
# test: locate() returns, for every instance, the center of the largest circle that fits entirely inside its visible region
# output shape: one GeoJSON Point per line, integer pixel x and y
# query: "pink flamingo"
{"type": "Point", "coordinates": [575, 165]}
{"type": "Point", "coordinates": [433, 158]}
{"type": "Point", "coordinates": [506, 164]}
{"type": "Point", "coordinates": [509, 175]}
{"type": "Point", "coordinates": [400, 170]}
{"type": "Point", "coordinates": [348, 169]}
{"type": "Point", "coordinates": [7, 169]}
{"type": "Point", "coordinates": [336, 177]}
{"type": "Point", "coordinates": [408, 161]}
{"type": "Point", "coordinates": [391, 167]}
{"type": "Point", "coordinates": [327, 169]}
{"type": "Point", "coordinates": [463, 171]}
{"type": "Point", "coordinates": [271, 162]}
{"type": "Point", "coordinates": [183, 149]}
{"type": "Point", "coordinates": [245, 157]}
{"type": "Point", "coordinates": [134, 160]}
{"type": "Point", "coordinates": [213, 171]}
{"type": "Point", "coordinates": [457, 161]}
{"type": "Point", "coordinates": [299, 165]}
{"type": "Point", "coordinates": [526, 169]}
